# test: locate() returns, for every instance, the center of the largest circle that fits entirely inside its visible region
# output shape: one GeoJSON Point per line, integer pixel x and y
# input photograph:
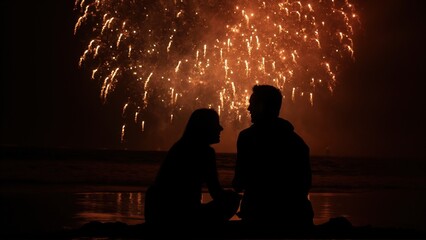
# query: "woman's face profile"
{"type": "Point", "coordinates": [213, 131]}
{"type": "Point", "coordinates": [204, 126]}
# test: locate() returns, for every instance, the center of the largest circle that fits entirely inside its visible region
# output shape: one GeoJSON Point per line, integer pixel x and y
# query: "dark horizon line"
{"type": "Point", "coordinates": [34, 152]}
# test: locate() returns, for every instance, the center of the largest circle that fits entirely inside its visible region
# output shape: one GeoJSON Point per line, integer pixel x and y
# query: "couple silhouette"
{"type": "Point", "coordinates": [272, 174]}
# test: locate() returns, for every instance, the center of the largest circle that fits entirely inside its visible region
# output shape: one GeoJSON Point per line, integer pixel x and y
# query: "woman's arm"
{"type": "Point", "coordinates": [212, 176]}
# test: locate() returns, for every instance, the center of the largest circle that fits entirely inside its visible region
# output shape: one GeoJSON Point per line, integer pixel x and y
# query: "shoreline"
{"type": "Point", "coordinates": [50, 193]}
{"type": "Point", "coordinates": [25, 187]}
{"type": "Point", "coordinates": [125, 203]}
{"type": "Point", "coordinates": [335, 228]}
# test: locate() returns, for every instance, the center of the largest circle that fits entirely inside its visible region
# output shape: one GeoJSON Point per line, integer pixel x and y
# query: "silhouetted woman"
{"type": "Point", "coordinates": [190, 164]}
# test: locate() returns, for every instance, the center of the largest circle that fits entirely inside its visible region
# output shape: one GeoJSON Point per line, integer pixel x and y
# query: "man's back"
{"type": "Point", "coordinates": [274, 171]}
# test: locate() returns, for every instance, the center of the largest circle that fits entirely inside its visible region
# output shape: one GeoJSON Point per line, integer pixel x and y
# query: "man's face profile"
{"type": "Point", "coordinates": [255, 108]}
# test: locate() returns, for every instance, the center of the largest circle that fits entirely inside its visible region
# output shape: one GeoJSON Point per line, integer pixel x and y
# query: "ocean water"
{"type": "Point", "coordinates": [52, 194]}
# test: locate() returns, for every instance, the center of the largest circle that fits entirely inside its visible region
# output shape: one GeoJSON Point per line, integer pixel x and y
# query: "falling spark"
{"type": "Point", "coordinates": [177, 67]}
{"type": "Point", "coordinates": [123, 130]}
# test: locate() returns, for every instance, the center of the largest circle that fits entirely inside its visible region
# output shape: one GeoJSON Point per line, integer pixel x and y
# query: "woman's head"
{"type": "Point", "coordinates": [204, 126]}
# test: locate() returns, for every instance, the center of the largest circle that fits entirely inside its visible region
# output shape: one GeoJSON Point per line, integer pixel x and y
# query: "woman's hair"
{"type": "Point", "coordinates": [200, 122]}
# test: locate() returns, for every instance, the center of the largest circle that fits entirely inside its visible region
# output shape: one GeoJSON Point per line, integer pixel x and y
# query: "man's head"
{"type": "Point", "coordinates": [265, 103]}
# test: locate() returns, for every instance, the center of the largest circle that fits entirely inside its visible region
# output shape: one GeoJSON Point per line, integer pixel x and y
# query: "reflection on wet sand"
{"type": "Point", "coordinates": [110, 207]}
{"type": "Point", "coordinates": [50, 211]}
{"type": "Point", "coordinates": [326, 207]}
{"type": "Point", "coordinates": [128, 207]}
{"type": "Point", "coordinates": [360, 208]}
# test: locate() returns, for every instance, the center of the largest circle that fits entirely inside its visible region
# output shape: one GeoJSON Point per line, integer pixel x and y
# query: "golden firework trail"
{"type": "Point", "coordinates": [187, 54]}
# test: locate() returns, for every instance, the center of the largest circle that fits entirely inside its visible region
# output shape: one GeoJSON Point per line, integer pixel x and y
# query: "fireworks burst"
{"type": "Point", "coordinates": [178, 55]}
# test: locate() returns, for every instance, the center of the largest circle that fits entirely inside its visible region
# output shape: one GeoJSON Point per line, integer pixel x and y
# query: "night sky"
{"type": "Point", "coordinates": [376, 110]}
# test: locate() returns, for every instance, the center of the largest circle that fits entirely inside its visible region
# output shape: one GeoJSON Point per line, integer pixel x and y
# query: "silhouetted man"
{"type": "Point", "coordinates": [273, 166]}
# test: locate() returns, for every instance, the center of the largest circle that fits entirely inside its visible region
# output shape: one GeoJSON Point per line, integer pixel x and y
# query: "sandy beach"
{"type": "Point", "coordinates": [54, 191]}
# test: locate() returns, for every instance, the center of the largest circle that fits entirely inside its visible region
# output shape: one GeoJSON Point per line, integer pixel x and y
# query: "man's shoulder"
{"type": "Point", "coordinates": [247, 131]}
